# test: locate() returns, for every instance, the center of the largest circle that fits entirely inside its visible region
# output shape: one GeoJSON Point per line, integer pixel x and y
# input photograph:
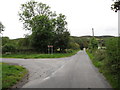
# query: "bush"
{"type": "Point", "coordinates": [113, 60]}
{"type": "Point", "coordinates": [99, 55]}
{"type": "Point", "coordinates": [113, 56]}
{"type": "Point", "coordinates": [69, 51]}
{"type": "Point", "coordinates": [93, 44]}
{"type": "Point", "coordinates": [108, 61]}
{"type": "Point", "coordinates": [73, 46]}
{"type": "Point", "coordinates": [8, 48]}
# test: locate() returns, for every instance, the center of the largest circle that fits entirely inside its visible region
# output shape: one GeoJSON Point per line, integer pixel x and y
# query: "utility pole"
{"type": "Point", "coordinates": [48, 49]}
{"type": "Point", "coordinates": [93, 32]}
{"type": "Point", "coordinates": [119, 22]}
{"type": "Point", "coordinates": [51, 49]}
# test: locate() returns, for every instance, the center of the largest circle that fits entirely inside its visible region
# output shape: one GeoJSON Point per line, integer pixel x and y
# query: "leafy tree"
{"type": "Point", "coordinates": [42, 34]}
{"type": "Point", "coordinates": [84, 42]}
{"type": "Point", "coordinates": [93, 43]}
{"type": "Point", "coordinates": [5, 40]}
{"type": "Point", "coordinates": [32, 9]}
{"type": "Point", "coordinates": [23, 43]}
{"type": "Point", "coordinates": [61, 33]}
{"type": "Point", "coordinates": [38, 18]}
{"type": "Point", "coordinates": [73, 46]}
{"type": "Point", "coordinates": [8, 48]}
{"type": "Point", "coordinates": [116, 6]}
{"type": "Point", "coordinates": [1, 27]}
{"type": "Point", "coordinates": [47, 28]}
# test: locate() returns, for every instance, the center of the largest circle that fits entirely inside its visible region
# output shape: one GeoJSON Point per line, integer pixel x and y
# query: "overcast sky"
{"type": "Point", "coordinates": [82, 16]}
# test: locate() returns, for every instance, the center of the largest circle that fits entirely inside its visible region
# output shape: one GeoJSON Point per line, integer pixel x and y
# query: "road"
{"type": "Point", "coordinates": [72, 72]}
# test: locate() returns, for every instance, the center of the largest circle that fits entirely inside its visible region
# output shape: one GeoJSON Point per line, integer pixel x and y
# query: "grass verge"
{"type": "Point", "coordinates": [111, 78]}
{"type": "Point", "coordinates": [11, 74]}
{"type": "Point", "coordinates": [25, 56]}
{"type": "Point", "coordinates": [96, 63]}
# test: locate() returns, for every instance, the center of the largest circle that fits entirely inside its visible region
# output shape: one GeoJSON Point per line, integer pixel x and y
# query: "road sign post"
{"type": "Point", "coordinates": [50, 49]}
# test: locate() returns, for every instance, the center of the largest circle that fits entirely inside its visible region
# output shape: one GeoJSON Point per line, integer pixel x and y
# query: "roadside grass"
{"type": "Point", "coordinates": [11, 74]}
{"type": "Point", "coordinates": [97, 63]}
{"type": "Point", "coordinates": [54, 55]}
{"type": "Point", "coordinates": [112, 79]}
{"type": "Point", "coordinates": [0, 76]}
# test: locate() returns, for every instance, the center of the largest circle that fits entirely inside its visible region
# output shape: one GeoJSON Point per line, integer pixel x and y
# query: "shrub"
{"type": "Point", "coordinates": [73, 46]}
{"type": "Point", "coordinates": [113, 56]}
{"type": "Point", "coordinates": [8, 48]}
{"type": "Point", "coordinates": [99, 55]}
{"type": "Point", "coordinates": [69, 50]}
{"type": "Point", "coordinates": [93, 44]}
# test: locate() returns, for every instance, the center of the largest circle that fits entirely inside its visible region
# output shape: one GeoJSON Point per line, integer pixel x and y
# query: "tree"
{"type": "Point", "coordinates": [32, 9]}
{"type": "Point", "coordinates": [46, 27]}
{"type": "Point", "coordinates": [8, 48]}
{"type": "Point", "coordinates": [23, 43]}
{"type": "Point", "coordinates": [61, 33]}
{"type": "Point", "coordinates": [1, 27]}
{"type": "Point", "coordinates": [42, 34]}
{"type": "Point", "coordinates": [37, 17]}
{"type": "Point", "coordinates": [5, 40]}
{"type": "Point", "coordinates": [93, 43]}
{"type": "Point", "coordinates": [116, 6]}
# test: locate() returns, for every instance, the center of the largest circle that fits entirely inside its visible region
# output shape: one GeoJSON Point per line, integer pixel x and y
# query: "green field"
{"type": "Point", "coordinates": [25, 56]}
{"type": "Point", "coordinates": [11, 74]}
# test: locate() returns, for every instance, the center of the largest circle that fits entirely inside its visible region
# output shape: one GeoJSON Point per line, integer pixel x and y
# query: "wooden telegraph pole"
{"type": "Point", "coordinates": [93, 32]}
{"type": "Point", "coordinates": [119, 21]}
{"type": "Point", "coordinates": [48, 49]}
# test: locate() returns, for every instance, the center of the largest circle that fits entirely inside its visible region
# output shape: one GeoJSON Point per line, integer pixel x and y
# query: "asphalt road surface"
{"type": "Point", "coordinates": [72, 72]}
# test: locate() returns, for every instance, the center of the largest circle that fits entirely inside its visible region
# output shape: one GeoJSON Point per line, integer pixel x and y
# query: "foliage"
{"type": "Point", "coordinates": [81, 42]}
{"type": "Point", "coordinates": [116, 6]}
{"type": "Point", "coordinates": [113, 56]}
{"type": "Point", "coordinates": [11, 74]}
{"type": "Point", "coordinates": [22, 43]}
{"type": "Point", "coordinates": [8, 48]}
{"type": "Point", "coordinates": [5, 40]}
{"type": "Point", "coordinates": [93, 43]}
{"type": "Point", "coordinates": [97, 57]}
{"type": "Point", "coordinates": [73, 46]}
{"type": "Point", "coordinates": [32, 9]}
{"type": "Point", "coordinates": [47, 28]}
{"type": "Point", "coordinates": [1, 27]}
{"type": "Point", "coordinates": [100, 55]}
{"type": "Point", "coordinates": [84, 43]}
{"type": "Point", "coordinates": [69, 50]}
{"type": "Point", "coordinates": [42, 33]}
{"type": "Point", "coordinates": [61, 39]}
{"type": "Point", "coordinates": [108, 61]}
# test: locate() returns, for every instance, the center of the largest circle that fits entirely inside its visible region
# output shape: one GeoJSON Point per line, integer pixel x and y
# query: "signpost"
{"type": "Point", "coordinates": [50, 49]}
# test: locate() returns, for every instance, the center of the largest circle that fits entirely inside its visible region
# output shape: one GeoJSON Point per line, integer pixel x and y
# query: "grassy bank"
{"type": "Point", "coordinates": [11, 74]}
{"type": "Point", "coordinates": [99, 60]}
{"type": "Point", "coordinates": [54, 55]}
